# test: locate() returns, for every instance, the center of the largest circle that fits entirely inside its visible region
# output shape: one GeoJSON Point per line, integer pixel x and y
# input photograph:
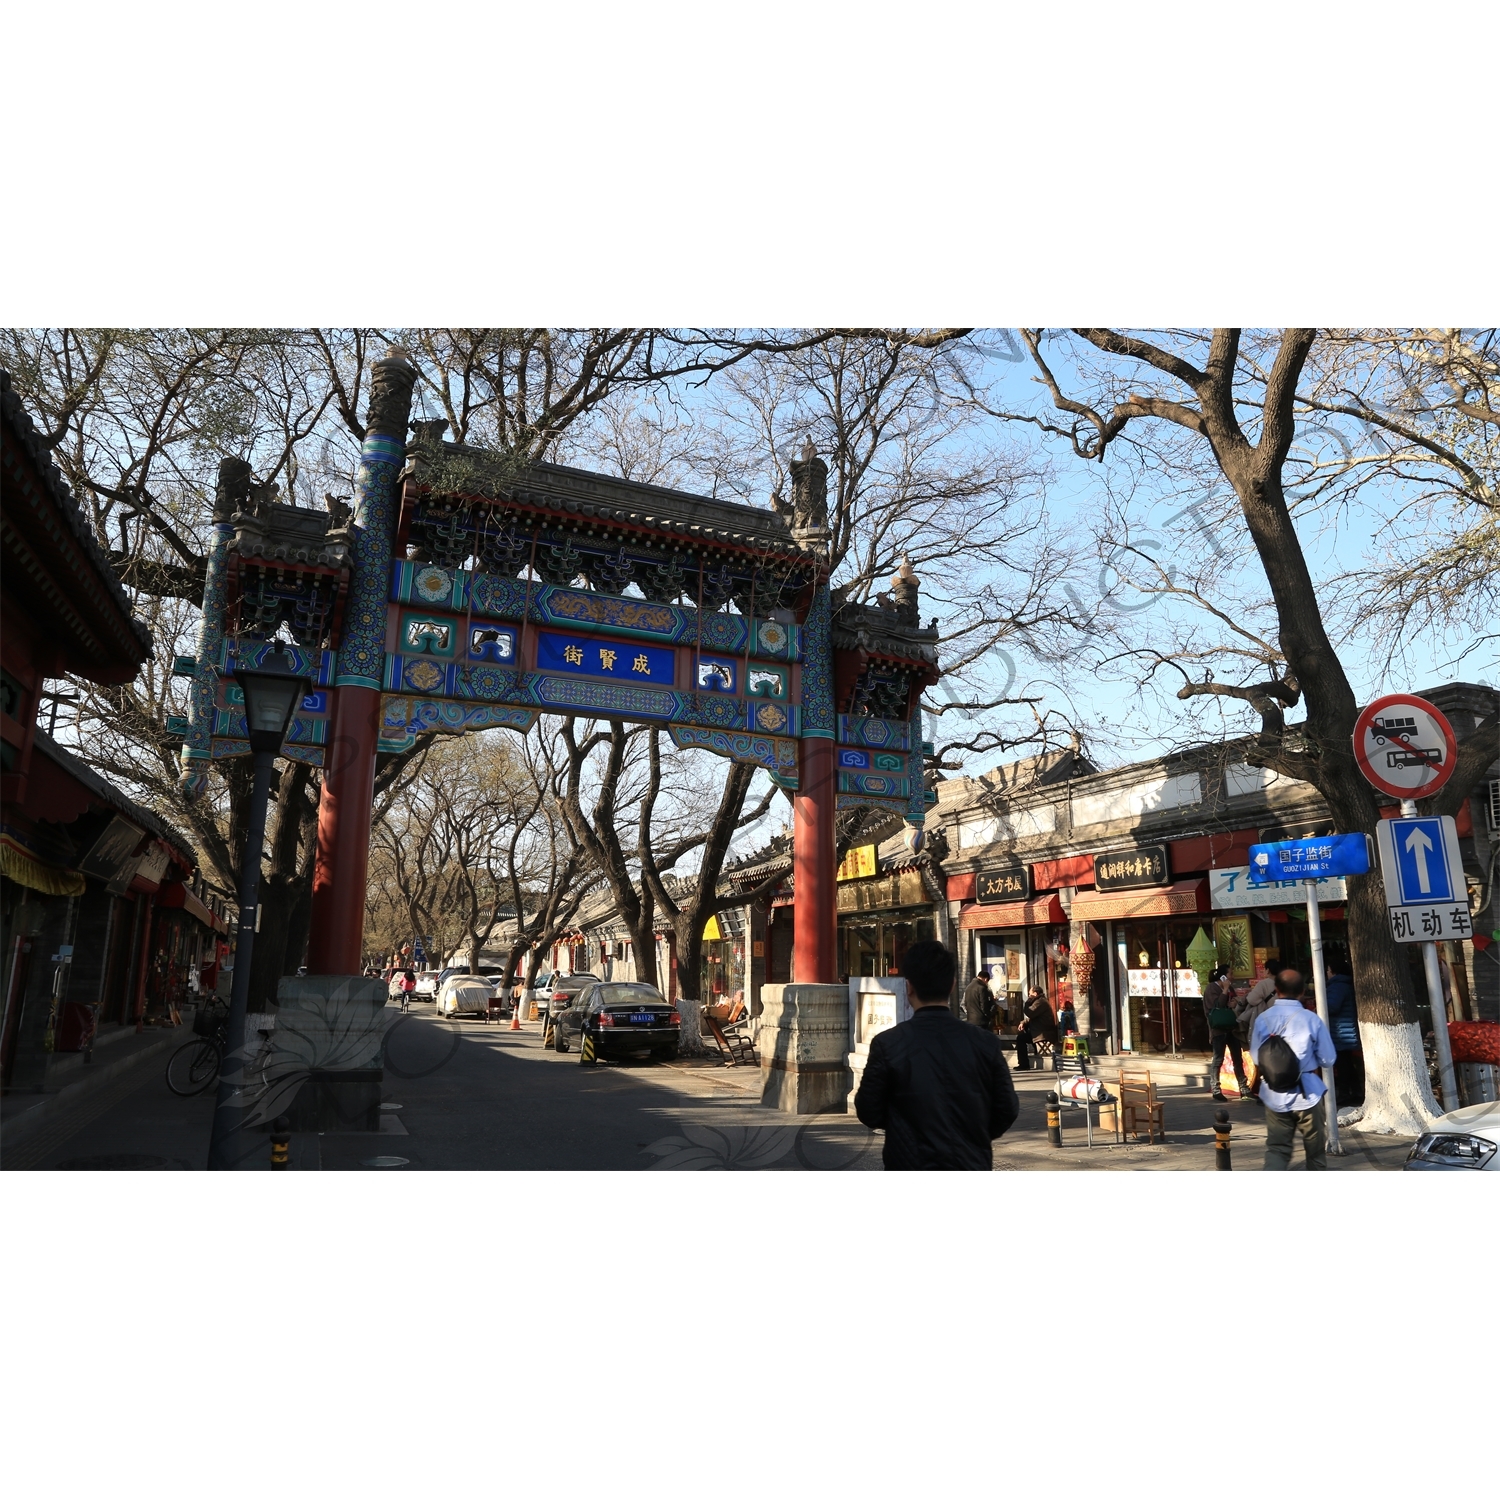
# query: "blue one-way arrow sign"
{"type": "Point", "coordinates": [1424, 879]}
{"type": "Point", "coordinates": [1421, 847]}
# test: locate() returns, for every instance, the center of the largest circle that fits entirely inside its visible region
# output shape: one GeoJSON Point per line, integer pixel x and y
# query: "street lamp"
{"type": "Point", "coordinates": [272, 692]}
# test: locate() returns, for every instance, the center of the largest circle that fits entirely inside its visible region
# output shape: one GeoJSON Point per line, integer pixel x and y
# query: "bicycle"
{"type": "Point", "coordinates": [194, 1067]}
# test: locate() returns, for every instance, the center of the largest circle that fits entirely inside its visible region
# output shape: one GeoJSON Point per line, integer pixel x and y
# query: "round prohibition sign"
{"type": "Point", "coordinates": [1404, 746]}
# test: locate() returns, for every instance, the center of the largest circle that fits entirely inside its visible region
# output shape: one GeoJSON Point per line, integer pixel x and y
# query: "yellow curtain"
{"type": "Point", "coordinates": [19, 866]}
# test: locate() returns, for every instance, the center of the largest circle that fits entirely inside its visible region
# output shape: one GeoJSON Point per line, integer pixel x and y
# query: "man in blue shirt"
{"type": "Point", "coordinates": [1302, 1112]}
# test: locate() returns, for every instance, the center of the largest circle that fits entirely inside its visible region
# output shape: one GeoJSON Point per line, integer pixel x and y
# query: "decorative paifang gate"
{"type": "Point", "coordinates": [467, 594]}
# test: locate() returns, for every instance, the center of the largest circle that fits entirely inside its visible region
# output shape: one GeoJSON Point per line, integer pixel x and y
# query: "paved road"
{"type": "Point", "coordinates": [482, 1097]}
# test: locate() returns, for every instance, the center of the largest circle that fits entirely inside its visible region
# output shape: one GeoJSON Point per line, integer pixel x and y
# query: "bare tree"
{"type": "Point", "coordinates": [1232, 404]}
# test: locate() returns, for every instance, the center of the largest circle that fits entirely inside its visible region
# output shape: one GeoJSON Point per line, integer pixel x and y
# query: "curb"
{"type": "Point", "coordinates": [24, 1125]}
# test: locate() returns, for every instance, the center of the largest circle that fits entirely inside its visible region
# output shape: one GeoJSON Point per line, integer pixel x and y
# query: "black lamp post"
{"type": "Point", "coordinates": [272, 692]}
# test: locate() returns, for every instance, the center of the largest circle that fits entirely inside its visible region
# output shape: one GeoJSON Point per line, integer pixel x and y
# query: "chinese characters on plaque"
{"type": "Point", "coordinates": [1132, 869]}
{"type": "Point", "coordinates": [1003, 883]}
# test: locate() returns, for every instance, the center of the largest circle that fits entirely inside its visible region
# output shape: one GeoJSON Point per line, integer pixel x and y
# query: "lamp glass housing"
{"type": "Point", "coordinates": [272, 692]}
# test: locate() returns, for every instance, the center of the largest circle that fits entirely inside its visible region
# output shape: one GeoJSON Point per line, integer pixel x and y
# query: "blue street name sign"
{"type": "Point", "coordinates": [1310, 859]}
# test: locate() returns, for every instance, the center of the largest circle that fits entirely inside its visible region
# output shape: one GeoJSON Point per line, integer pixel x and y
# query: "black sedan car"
{"type": "Point", "coordinates": [608, 1020]}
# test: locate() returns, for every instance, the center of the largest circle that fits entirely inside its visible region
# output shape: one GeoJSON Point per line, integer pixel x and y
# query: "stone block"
{"type": "Point", "coordinates": [327, 1060]}
{"type": "Point", "coordinates": [803, 1041]}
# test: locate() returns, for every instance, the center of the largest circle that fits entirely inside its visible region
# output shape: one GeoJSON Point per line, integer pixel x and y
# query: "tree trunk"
{"type": "Point", "coordinates": [689, 945]}
{"type": "Point", "coordinates": [1397, 1095]}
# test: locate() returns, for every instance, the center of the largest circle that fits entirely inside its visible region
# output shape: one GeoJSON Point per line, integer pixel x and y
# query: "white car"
{"type": "Point", "coordinates": [469, 993]}
{"type": "Point", "coordinates": [1465, 1139]}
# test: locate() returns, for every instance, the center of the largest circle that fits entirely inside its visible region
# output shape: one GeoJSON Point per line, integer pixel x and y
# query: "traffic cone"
{"type": "Point", "coordinates": [515, 1015]}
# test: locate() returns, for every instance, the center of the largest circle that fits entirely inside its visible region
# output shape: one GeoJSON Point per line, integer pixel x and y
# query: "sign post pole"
{"type": "Point", "coordinates": [1438, 1005]}
{"type": "Point", "coordinates": [1320, 990]}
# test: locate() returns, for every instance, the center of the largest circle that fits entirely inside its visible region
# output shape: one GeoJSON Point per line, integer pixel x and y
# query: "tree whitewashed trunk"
{"type": "Point", "coordinates": [692, 1025]}
{"type": "Point", "coordinates": [1398, 1096]}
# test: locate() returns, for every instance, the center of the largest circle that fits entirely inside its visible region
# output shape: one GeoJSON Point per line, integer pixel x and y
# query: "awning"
{"type": "Point", "coordinates": [1184, 898]}
{"type": "Point", "coordinates": [180, 896]}
{"type": "Point", "coordinates": [16, 864]}
{"type": "Point", "coordinates": [1038, 913]}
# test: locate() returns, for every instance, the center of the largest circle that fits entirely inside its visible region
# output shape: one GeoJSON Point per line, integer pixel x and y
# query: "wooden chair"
{"type": "Point", "coordinates": [726, 1025]}
{"type": "Point", "coordinates": [1138, 1097]}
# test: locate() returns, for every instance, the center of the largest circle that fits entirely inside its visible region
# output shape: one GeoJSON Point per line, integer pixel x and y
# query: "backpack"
{"type": "Point", "coordinates": [1279, 1066]}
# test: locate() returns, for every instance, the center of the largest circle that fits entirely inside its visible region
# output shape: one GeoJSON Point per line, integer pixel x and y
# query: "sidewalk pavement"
{"type": "Point", "coordinates": [709, 1117]}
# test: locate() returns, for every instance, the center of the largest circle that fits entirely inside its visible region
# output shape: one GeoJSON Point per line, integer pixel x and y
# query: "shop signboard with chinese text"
{"type": "Point", "coordinates": [1425, 889]}
{"type": "Point", "coordinates": [858, 864]}
{"type": "Point", "coordinates": [1008, 882]}
{"type": "Point", "coordinates": [1132, 869]}
{"type": "Point", "coordinates": [1231, 889]}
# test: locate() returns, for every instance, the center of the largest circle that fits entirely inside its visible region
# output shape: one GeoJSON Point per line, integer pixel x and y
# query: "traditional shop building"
{"type": "Point", "coordinates": [105, 925]}
{"type": "Point", "coordinates": [1113, 889]}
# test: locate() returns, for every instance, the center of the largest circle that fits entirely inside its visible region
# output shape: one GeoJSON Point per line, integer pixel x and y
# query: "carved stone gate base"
{"type": "Point", "coordinates": [804, 1046]}
{"type": "Point", "coordinates": [331, 1029]}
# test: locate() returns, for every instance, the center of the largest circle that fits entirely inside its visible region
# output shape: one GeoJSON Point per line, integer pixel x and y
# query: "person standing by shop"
{"type": "Point", "coordinates": [978, 1000]}
{"type": "Point", "coordinates": [1218, 1010]}
{"type": "Point", "coordinates": [1249, 1010]}
{"type": "Point", "coordinates": [1343, 1022]}
{"type": "Point", "coordinates": [939, 1089]}
{"type": "Point", "coordinates": [1298, 1106]}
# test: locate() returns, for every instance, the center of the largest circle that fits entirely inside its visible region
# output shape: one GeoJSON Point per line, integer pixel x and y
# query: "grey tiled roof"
{"type": "Point", "coordinates": [651, 507]}
{"type": "Point", "coordinates": [21, 424]}
{"type": "Point", "coordinates": [114, 796]}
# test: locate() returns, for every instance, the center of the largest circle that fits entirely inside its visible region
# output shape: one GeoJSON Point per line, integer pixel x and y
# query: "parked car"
{"type": "Point", "coordinates": [1466, 1139]}
{"type": "Point", "coordinates": [562, 990]}
{"type": "Point", "coordinates": [620, 1018]}
{"type": "Point", "coordinates": [537, 994]}
{"type": "Point", "coordinates": [430, 981]}
{"type": "Point", "coordinates": [465, 992]}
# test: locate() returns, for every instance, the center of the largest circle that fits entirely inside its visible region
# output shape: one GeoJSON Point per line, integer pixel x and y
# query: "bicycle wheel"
{"type": "Point", "coordinates": [192, 1068]}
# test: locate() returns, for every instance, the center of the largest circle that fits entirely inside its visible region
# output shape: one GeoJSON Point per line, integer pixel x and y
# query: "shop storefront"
{"type": "Point", "coordinates": [880, 915]}
{"type": "Point", "coordinates": [1156, 929]}
{"type": "Point", "coordinates": [722, 969]}
{"type": "Point", "coordinates": [1026, 941]}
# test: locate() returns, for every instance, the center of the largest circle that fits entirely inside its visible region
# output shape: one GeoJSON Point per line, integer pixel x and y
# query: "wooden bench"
{"type": "Point", "coordinates": [1137, 1098]}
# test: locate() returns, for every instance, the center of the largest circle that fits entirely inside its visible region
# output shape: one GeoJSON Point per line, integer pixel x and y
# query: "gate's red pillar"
{"type": "Point", "coordinates": [336, 941]}
{"type": "Point", "coordinates": [815, 909]}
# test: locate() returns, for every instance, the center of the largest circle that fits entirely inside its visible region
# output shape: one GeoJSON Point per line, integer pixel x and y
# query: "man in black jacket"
{"type": "Point", "coordinates": [939, 1089]}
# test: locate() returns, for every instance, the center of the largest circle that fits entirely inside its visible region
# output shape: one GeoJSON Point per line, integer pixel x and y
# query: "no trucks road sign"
{"type": "Point", "coordinates": [1404, 746]}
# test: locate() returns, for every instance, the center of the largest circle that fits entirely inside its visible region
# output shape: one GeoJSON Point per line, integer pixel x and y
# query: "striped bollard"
{"type": "Point", "coordinates": [1222, 1128]}
{"type": "Point", "coordinates": [1054, 1121]}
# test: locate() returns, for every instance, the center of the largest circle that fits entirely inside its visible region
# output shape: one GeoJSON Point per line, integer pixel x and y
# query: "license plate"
{"type": "Point", "coordinates": [642, 1018]}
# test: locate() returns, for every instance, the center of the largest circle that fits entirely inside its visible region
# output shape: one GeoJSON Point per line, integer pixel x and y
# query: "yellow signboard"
{"type": "Point", "coordinates": [858, 863]}
{"type": "Point", "coordinates": [711, 933]}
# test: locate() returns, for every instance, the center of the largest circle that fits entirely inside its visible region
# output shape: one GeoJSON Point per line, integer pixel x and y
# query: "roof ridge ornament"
{"type": "Point", "coordinates": [810, 500]}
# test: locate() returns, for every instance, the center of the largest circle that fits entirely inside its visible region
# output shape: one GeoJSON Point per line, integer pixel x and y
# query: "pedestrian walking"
{"type": "Point", "coordinates": [978, 999]}
{"type": "Point", "coordinates": [1343, 1023]}
{"type": "Point", "coordinates": [939, 1089]}
{"type": "Point", "coordinates": [1219, 1011]}
{"type": "Point", "coordinates": [1290, 1043]}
